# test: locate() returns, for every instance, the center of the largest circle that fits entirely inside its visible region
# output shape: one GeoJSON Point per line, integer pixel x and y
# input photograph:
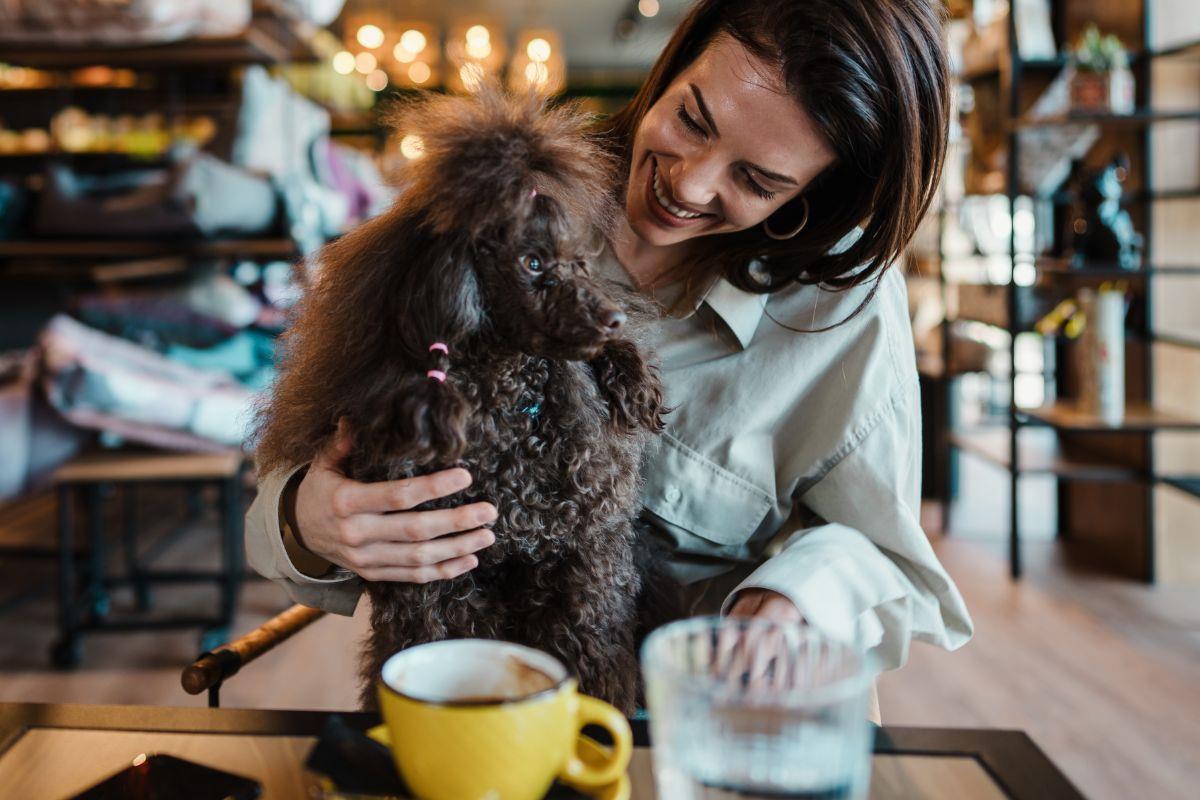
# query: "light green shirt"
{"type": "Point", "coordinates": [791, 462]}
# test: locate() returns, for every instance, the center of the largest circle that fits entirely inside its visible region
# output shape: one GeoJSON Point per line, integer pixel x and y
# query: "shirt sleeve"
{"type": "Point", "coordinates": [868, 574]}
{"type": "Point", "coordinates": [266, 551]}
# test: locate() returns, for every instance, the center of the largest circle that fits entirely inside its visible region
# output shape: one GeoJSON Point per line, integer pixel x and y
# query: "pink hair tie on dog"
{"type": "Point", "coordinates": [437, 375]}
{"type": "Point", "coordinates": [439, 346]}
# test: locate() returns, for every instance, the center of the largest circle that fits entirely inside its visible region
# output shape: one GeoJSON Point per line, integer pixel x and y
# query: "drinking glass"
{"type": "Point", "coordinates": [746, 708]}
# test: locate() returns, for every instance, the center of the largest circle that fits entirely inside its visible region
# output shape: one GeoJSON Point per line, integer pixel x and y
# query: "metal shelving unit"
{"type": "Point", "coordinates": [1029, 441]}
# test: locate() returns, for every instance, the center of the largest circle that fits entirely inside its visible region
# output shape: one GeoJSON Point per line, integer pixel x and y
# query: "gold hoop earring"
{"type": "Point", "coordinates": [784, 237]}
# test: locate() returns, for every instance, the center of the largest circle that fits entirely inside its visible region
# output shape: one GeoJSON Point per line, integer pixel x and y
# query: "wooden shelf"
{"type": "Point", "coordinates": [270, 38]}
{"type": "Point", "coordinates": [102, 249]}
{"type": "Point", "coordinates": [31, 163]}
{"type": "Point", "coordinates": [1107, 270]}
{"type": "Point", "coordinates": [1138, 418]}
{"type": "Point", "coordinates": [1139, 117]}
{"type": "Point", "coordinates": [1189, 485]}
{"type": "Point", "coordinates": [1038, 454]}
{"type": "Point", "coordinates": [1064, 196]}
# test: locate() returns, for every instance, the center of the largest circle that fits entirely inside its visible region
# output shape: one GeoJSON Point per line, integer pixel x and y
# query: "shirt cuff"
{"type": "Point", "coordinates": [842, 590]}
{"type": "Point", "coordinates": [284, 544]}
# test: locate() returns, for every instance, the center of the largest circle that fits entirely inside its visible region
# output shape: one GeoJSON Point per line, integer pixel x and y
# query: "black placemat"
{"type": "Point", "coordinates": [357, 763]}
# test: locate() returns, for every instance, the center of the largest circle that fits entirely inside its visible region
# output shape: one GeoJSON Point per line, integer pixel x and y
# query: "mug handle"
{"type": "Point", "coordinates": [594, 776]}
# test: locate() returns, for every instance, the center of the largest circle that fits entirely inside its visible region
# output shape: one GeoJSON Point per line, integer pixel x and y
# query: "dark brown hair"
{"type": "Point", "coordinates": [873, 76]}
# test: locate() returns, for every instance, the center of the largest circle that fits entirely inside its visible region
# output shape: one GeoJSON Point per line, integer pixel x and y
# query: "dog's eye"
{"type": "Point", "coordinates": [531, 263]}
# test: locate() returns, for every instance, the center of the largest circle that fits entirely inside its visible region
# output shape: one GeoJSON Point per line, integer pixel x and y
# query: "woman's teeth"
{"type": "Point", "coordinates": [674, 210]}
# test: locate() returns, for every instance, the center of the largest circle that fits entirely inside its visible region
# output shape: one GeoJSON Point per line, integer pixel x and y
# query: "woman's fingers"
{"type": "Point", "coordinates": [380, 498]}
{"type": "Point", "coordinates": [421, 526]}
{"type": "Point", "coordinates": [428, 574]}
{"type": "Point", "coordinates": [331, 457]}
{"type": "Point", "coordinates": [386, 555]}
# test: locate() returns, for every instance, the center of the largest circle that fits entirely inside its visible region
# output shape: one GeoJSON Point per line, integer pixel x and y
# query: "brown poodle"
{"type": "Point", "coordinates": [462, 327]}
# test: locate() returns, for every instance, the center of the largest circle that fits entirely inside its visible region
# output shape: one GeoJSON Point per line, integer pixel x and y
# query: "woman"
{"type": "Point", "coordinates": [778, 159]}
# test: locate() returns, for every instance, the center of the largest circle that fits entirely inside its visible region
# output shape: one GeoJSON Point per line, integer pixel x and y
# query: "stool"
{"type": "Point", "coordinates": [89, 478]}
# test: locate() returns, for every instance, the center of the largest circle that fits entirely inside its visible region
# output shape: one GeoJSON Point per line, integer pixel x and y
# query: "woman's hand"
{"type": "Point", "coordinates": [765, 604]}
{"type": "Point", "coordinates": [368, 528]}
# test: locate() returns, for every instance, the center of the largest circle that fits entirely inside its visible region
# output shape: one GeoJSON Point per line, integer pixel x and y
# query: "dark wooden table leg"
{"type": "Point", "coordinates": [129, 536]}
{"type": "Point", "coordinates": [97, 592]}
{"type": "Point", "coordinates": [65, 652]}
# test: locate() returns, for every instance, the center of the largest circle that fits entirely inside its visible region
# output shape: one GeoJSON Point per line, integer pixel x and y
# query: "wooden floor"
{"type": "Point", "coordinates": [1103, 673]}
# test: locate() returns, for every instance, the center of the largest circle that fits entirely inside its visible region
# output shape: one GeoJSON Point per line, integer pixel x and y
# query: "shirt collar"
{"type": "Point", "coordinates": [741, 311]}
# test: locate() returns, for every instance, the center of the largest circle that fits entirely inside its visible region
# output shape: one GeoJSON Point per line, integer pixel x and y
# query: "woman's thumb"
{"type": "Point", "coordinates": [339, 447]}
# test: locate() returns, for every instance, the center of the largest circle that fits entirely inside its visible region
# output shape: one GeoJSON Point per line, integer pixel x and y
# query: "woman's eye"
{"type": "Point", "coordinates": [688, 122]}
{"type": "Point", "coordinates": [531, 263]}
{"type": "Point", "coordinates": [765, 194]}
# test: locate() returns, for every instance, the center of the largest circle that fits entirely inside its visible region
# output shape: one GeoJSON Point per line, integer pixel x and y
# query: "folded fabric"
{"type": "Point", "coordinates": [319, 12]}
{"type": "Point", "coordinates": [198, 196]}
{"type": "Point", "coordinates": [33, 437]}
{"type": "Point", "coordinates": [71, 23]}
{"type": "Point", "coordinates": [151, 319]}
{"type": "Point", "coordinates": [247, 355]}
{"type": "Point", "coordinates": [104, 383]}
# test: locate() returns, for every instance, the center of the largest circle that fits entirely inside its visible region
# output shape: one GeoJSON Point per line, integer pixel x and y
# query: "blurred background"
{"type": "Point", "coordinates": [166, 167]}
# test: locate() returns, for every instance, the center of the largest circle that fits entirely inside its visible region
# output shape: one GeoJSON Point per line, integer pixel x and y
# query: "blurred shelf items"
{"type": "Point", "coordinates": [1054, 287]}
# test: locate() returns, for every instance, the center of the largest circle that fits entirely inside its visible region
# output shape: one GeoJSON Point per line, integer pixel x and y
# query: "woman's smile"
{"type": "Point", "coordinates": [664, 209]}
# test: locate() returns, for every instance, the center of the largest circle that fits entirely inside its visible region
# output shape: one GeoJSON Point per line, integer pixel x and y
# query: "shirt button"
{"type": "Point", "coordinates": [673, 494]}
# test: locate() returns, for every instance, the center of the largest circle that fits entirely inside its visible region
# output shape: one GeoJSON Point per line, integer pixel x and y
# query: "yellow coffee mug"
{"type": "Point", "coordinates": [473, 719]}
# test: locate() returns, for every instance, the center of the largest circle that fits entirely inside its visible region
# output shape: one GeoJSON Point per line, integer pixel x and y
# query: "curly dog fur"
{"type": "Point", "coordinates": [549, 400]}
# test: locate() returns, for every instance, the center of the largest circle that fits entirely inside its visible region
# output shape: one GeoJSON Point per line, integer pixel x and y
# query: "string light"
{"type": "Point", "coordinates": [478, 35]}
{"type": "Point", "coordinates": [538, 50]}
{"type": "Point", "coordinates": [536, 73]}
{"type": "Point", "coordinates": [412, 146]}
{"type": "Point", "coordinates": [365, 63]}
{"type": "Point", "coordinates": [343, 62]}
{"type": "Point", "coordinates": [377, 81]}
{"type": "Point", "coordinates": [648, 8]}
{"type": "Point", "coordinates": [370, 36]}
{"type": "Point", "coordinates": [479, 49]}
{"type": "Point", "coordinates": [404, 56]}
{"type": "Point", "coordinates": [412, 41]}
{"type": "Point", "coordinates": [419, 72]}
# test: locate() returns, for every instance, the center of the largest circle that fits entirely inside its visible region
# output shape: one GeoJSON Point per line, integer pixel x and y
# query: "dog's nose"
{"type": "Point", "coordinates": [611, 320]}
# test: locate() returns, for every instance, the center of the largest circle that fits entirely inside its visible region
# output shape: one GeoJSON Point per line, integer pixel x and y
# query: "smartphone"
{"type": "Point", "coordinates": [164, 777]}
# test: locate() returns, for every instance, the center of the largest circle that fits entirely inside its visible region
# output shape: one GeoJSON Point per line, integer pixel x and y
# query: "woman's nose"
{"type": "Point", "coordinates": [694, 181]}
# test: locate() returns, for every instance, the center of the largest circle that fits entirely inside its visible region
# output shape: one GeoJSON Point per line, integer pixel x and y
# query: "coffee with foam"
{"type": "Point", "coordinates": [473, 671]}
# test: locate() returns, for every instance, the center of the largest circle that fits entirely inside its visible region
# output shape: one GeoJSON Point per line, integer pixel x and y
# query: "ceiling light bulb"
{"type": "Point", "coordinates": [477, 34]}
{"type": "Point", "coordinates": [419, 72]}
{"type": "Point", "coordinates": [538, 49]}
{"type": "Point", "coordinates": [365, 63]}
{"type": "Point", "coordinates": [377, 81]}
{"type": "Point", "coordinates": [412, 146]}
{"type": "Point", "coordinates": [370, 36]}
{"type": "Point", "coordinates": [648, 8]}
{"type": "Point", "coordinates": [343, 63]}
{"type": "Point", "coordinates": [413, 41]}
{"type": "Point", "coordinates": [479, 50]}
{"type": "Point", "coordinates": [536, 73]}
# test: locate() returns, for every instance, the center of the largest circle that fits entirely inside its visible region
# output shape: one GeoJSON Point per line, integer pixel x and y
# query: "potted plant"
{"type": "Point", "coordinates": [1100, 79]}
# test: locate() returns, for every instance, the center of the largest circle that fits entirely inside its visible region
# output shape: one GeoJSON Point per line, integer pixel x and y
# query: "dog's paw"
{"type": "Point", "coordinates": [631, 387]}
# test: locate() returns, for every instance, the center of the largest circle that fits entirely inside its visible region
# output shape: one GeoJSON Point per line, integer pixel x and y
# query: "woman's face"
{"type": "Point", "coordinates": [722, 149]}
